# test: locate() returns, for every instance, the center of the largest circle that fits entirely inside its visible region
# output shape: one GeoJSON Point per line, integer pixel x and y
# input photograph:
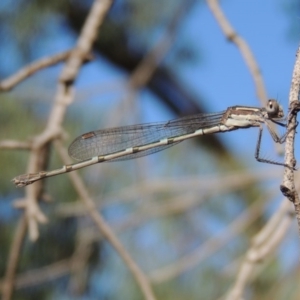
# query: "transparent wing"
{"type": "Point", "coordinates": [112, 140]}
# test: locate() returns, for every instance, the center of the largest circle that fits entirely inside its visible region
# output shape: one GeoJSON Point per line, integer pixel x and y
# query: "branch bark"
{"type": "Point", "coordinates": [288, 184]}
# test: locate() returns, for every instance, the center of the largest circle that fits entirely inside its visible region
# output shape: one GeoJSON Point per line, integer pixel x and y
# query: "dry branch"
{"type": "Point", "coordinates": [263, 246]}
{"type": "Point", "coordinates": [242, 45]}
{"type": "Point", "coordinates": [288, 184]}
{"type": "Point", "coordinates": [104, 228]}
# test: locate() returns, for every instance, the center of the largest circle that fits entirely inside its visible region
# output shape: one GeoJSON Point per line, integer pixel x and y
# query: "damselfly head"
{"type": "Point", "coordinates": [274, 110]}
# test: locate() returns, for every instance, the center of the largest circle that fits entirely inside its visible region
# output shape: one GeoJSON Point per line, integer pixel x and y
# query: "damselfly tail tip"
{"type": "Point", "coordinates": [18, 183]}
{"type": "Point", "coordinates": [22, 180]}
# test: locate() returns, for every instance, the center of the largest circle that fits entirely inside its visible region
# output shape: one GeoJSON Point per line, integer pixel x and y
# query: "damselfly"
{"type": "Point", "coordinates": [128, 142]}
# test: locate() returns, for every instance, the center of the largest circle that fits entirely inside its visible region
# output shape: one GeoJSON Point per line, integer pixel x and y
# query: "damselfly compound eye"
{"type": "Point", "coordinates": [274, 109]}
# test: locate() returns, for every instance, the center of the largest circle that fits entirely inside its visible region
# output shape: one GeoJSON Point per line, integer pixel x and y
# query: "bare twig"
{"type": "Point", "coordinates": [103, 227]}
{"type": "Point", "coordinates": [64, 96]}
{"type": "Point", "coordinates": [86, 39]}
{"type": "Point", "coordinates": [45, 62]}
{"type": "Point", "coordinates": [32, 68]}
{"type": "Point", "coordinates": [245, 50]}
{"type": "Point", "coordinates": [35, 277]}
{"type": "Point", "coordinates": [14, 255]}
{"type": "Point", "coordinates": [288, 184]}
{"type": "Point", "coordinates": [263, 245]}
{"type": "Point", "coordinates": [12, 81]}
{"type": "Point", "coordinates": [205, 250]}
{"type": "Point", "coordinates": [200, 186]}
{"type": "Point", "coordinates": [17, 145]}
{"type": "Point", "coordinates": [142, 74]}
{"type": "Point", "coordinates": [79, 268]}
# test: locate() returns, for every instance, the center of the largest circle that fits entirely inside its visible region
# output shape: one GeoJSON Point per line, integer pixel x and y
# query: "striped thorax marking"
{"type": "Point", "coordinates": [243, 117]}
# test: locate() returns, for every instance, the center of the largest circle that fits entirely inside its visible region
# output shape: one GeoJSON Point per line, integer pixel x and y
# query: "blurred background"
{"type": "Point", "coordinates": [187, 215]}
